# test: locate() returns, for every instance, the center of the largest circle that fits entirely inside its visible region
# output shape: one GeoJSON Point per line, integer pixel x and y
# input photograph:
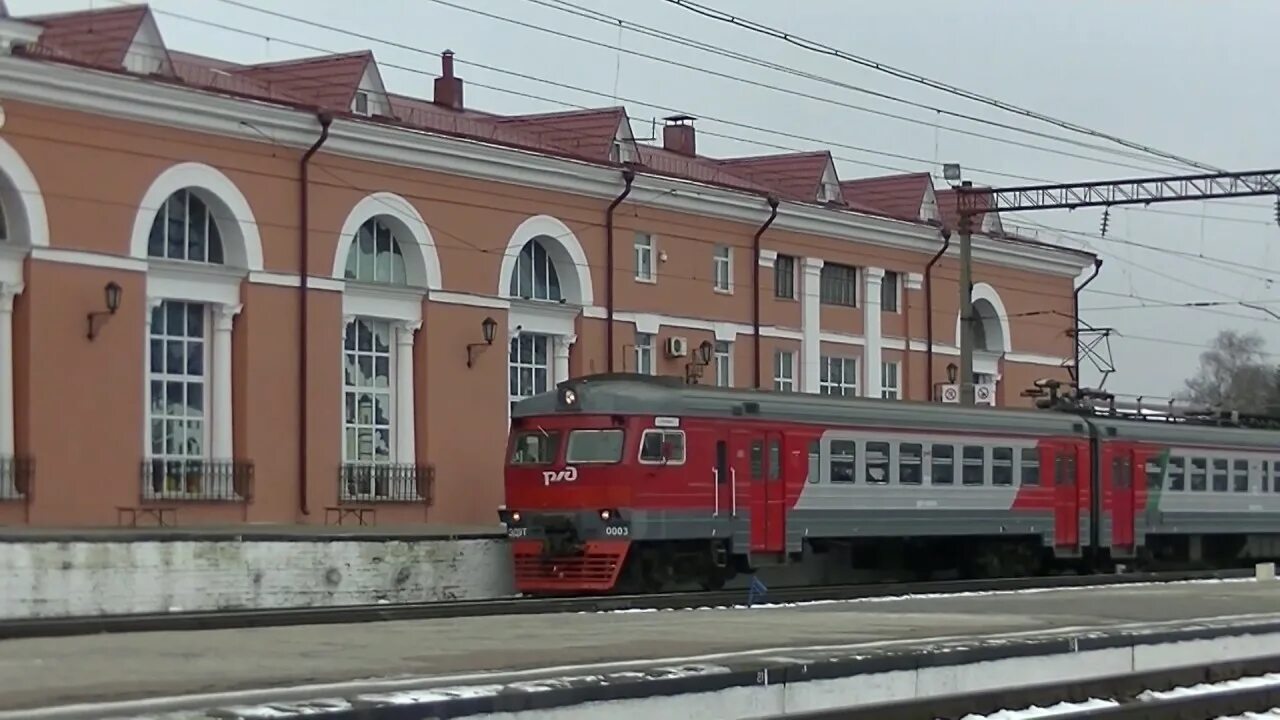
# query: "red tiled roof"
{"type": "Point", "coordinates": [97, 37]}
{"type": "Point", "coordinates": [328, 81]}
{"type": "Point", "coordinates": [701, 169]}
{"type": "Point", "coordinates": [589, 133]}
{"type": "Point", "coordinates": [897, 196]}
{"type": "Point", "coordinates": [795, 176]}
{"type": "Point", "coordinates": [948, 211]}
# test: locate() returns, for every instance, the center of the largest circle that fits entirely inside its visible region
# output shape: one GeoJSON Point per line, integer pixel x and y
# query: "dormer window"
{"type": "Point", "coordinates": [829, 192]}
{"type": "Point", "coordinates": [623, 151]}
{"type": "Point", "coordinates": [360, 105]}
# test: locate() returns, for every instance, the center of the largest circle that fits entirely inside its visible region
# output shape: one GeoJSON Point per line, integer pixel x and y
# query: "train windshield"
{"type": "Point", "coordinates": [594, 446]}
{"type": "Point", "coordinates": [535, 447]}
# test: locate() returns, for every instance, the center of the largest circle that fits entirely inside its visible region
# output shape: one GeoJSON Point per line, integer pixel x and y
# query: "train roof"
{"type": "Point", "coordinates": [635, 394]}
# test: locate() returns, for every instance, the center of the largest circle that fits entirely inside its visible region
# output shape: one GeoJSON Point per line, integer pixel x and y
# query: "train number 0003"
{"type": "Point", "coordinates": [617, 530]}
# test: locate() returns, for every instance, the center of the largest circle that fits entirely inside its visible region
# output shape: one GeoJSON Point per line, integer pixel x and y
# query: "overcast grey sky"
{"type": "Point", "coordinates": [1189, 77]}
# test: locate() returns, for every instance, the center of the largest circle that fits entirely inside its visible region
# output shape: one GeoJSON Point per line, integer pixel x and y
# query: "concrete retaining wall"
{"type": "Point", "coordinates": [77, 578]}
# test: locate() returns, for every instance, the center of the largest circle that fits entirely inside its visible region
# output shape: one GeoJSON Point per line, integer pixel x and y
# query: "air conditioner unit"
{"type": "Point", "coordinates": [677, 347]}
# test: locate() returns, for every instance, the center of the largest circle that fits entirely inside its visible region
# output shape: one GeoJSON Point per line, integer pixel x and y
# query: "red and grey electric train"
{"type": "Point", "coordinates": [633, 483]}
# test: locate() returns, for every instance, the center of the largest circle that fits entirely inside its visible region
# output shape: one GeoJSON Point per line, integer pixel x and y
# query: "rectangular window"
{"type": "Point", "coordinates": [644, 353]}
{"type": "Point", "coordinates": [1030, 469]}
{"type": "Point", "coordinates": [784, 277]}
{"type": "Point", "coordinates": [1240, 476]}
{"type": "Point", "coordinates": [839, 376]}
{"type": "Point", "coordinates": [644, 257]}
{"type": "Point", "coordinates": [757, 459]}
{"type": "Point", "coordinates": [1002, 466]}
{"type": "Point", "coordinates": [910, 464]}
{"type": "Point", "coordinates": [775, 459]}
{"type": "Point", "coordinates": [723, 266]}
{"type": "Point", "coordinates": [535, 448]}
{"type": "Point", "coordinates": [1155, 474]}
{"type": "Point", "coordinates": [1275, 476]}
{"type": "Point", "coordinates": [178, 390]}
{"type": "Point", "coordinates": [815, 461]}
{"type": "Point", "coordinates": [784, 370]}
{"type": "Point", "coordinates": [594, 446]}
{"type": "Point", "coordinates": [889, 291]}
{"type": "Point", "coordinates": [844, 461]}
{"type": "Point", "coordinates": [1177, 473]}
{"type": "Point", "coordinates": [1199, 475]}
{"type": "Point", "coordinates": [724, 364]}
{"type": "Point", "coordinates": [889, 388]}
{"type": "Point", "coordinates": [368, 391]}
{"type": "Point", "coordinates": [1266, 475]}
{"type": "Point", "coordinates": [662, 447]}
{"type": "Point", "coordinates": [973, 462]}
{"type": "Point", "coordinates": [1221, 478]}
{"type": "Point", "coordinates": [877, 463]}
{"type": "Point", "coordinates": [528, 366]}
{"type": "Point", "coordinates": [942, 469]}
{"type": "Point", "coordinates": [360, 105]}
{"type": "Point", "coordinates": [839, 285]}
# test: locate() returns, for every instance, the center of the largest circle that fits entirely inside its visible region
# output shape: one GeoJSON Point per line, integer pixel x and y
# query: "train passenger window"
{"type": "Point", "coordinates": [1002, 466]}
{"type": "Point", "coordinates": [1155, 474]}
{"type": "Point", "coordinates": [910, 464]}
{"type": "Point", "coordinates": [775, 459]}
{"type": "Point", "coordinates": [1240, 476]}
{"type": "Point", "coordinates": [943, 472]}
{"type": "Point", "coordinates": [535, 448]}
{"type": "Point", "coordinates": [844, 461]}
{"type": "Point", "coordinates": [971, 474]}
{"type": "Point", "coordinates": [1275, 476]}
{"type": "Point", "coordinates": [662, 447]}
{"type": "Point", "coordinates": [1030, 466]}
{"type": "Point", "coordinates": [1199, 475]}
{"type": "Point", "coordinates": [1266, 475]}
{"type": "Point", "coordinates": [815, 461]}
{"type": "Point", "coordinates": [594, 446]}
{"type": "Point", "coordinates": [1221, 483]}
{"type": "Point", "coordinates": [877, 462]}
{"type": "Point", "coordinates": [1121, 478]}
{"type": "Point", "coordinates": [1177, 473]}
{"type": "Point", "coordinates": [757, 459]}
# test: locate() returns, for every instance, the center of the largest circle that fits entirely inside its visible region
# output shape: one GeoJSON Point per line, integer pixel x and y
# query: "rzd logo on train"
{"type": "Point", "coordinates": [569, 474]}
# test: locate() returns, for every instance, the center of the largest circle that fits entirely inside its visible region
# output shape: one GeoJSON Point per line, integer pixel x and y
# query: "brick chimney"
{"type": "Point", "coordinates": [448, 89]}
{"type": "Point", "coordinates": [677, 135]}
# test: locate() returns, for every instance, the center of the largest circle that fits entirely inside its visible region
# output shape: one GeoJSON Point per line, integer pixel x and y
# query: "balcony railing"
{"type": "Point", "coordinates": [16, 474]}
{"type": "Point", "coordinates": [385, 483]}
{"type": "Point", "coordinates": [196, 480]}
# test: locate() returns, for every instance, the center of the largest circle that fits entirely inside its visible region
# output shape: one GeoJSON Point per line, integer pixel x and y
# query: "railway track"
{"type": "Point", "coordinates": [1134, 696]}
{"type": "Point", "coordinates": [347, 614]}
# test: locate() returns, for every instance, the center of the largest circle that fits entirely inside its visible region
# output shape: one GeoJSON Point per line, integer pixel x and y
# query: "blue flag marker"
{"type": "Point", "coordinates": [756, 591]}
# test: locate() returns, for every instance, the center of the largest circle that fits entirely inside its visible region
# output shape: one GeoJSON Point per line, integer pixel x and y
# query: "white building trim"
{"type": "Point", "coordinates": [134, 98]}
{"type": "Point", "coordinates": [566, 253]}
{"type": "Point", "coordinates": [422, 262]}
{"type": "Point", "coordinates": [811, 325]}
{"type": "Point", "coordinates": [983, 291]}
{"type": "Point", "coordinates": [23, 201]}
{"type": "Point", "coordinates": [871, 307]}
{"type": "Point", "coordinates": [242, 245]}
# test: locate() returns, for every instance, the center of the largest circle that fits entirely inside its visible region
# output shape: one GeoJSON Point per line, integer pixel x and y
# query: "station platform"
{"type": "Point", "coordinates": [290, 664]}
{"type": "Point", "coordinates": [253, 532]}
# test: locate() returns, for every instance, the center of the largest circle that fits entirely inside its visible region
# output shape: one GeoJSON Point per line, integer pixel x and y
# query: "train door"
{"type": "Point", "coordinates": [1066, 501]}
{"type": "Point", "coordinates": [721, 474]}
{"type": "Point", "coordinates": [756, 492]}
{"type": "Point", "coordinates": [1123, 506]}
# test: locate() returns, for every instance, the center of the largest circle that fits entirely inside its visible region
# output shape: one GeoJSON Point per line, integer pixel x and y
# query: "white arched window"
{"type": "Point", "coordinates": [378, 436]}
{"type": "Point", "coordinates": [535, 276]}
{"type": "Point", "coordinates": [184, 229]}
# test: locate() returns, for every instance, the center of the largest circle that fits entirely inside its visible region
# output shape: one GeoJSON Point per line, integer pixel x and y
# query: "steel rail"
{"type": "Point", "coordinates": [1124, 689]}
{"type": "Point", "coordinates": [351, 614]}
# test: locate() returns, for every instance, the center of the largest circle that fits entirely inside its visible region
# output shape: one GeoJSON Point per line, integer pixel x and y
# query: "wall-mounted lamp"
{"type": "Point", "coordinates": [951, 373]}
{"type": "Point", "coordinates": [488, 328]}
{"type": "Point", "coordinates": [701, 359]}
{"type": "Point", "coordinates": [112, 292]}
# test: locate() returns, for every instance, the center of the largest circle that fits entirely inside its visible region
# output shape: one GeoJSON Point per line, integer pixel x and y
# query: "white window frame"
{"type": "Point", "coordinates": [644, 344]}
{"type": "Point", "coordinates": [514, 363]}
{"type": "Point", "coordinates": [898, 279]}
{"type": "Point", "coordinates": [684, 444]}
{"type": "Point", "coordinates": [847, 386]}
{"type": "Point", "coordinates": [828, 192]}
{"type": "Point", "coordinates": [206, 380]}
{"type": "Point", "coordinates": [784, 381]}
{"type": "Point", "coordinates": [722, 269]}
{"type": "Point", "coordinates": [891, 390]}
{"type": "Point", "coordinates": [355, 103]}
{"type": "Point", "coordinates": [391, 391]}
{"type": "Point", "coordinates": [643, 256]}
{"type": "Point", "coordinates": [723, 361]}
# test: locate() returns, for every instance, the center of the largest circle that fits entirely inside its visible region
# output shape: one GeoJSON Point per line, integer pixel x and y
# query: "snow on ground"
{"type": "Point", "coordinates": [1053, 710]}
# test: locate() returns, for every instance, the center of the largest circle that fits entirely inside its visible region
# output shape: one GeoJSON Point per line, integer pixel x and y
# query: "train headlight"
{"type": "Point", "coordinates": [515, 517]}
{"type": "Point", "coordinates": [606, 515]}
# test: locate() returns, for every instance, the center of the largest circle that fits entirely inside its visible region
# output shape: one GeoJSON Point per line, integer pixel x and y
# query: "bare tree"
{"type": "Point", "coordinates": [1234, 374]}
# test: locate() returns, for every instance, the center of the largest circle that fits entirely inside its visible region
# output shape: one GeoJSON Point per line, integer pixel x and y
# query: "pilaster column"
{"type": "Point", "coordinates": [811, 326]}
{"type": "Point", "coordinates": [406, 434]}
{"type": "Point", "coordinates": [220, 432]}
{"type": "Point", "coordinates": [871, 329]}
{"type": "Point", "coordinates": [8, 291]}
{"type": "Point", "coordinates": [149, 441]}
{"type": "Point", "coordinates": [560, 367]}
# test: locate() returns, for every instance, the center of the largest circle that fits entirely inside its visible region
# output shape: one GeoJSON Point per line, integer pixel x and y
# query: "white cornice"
{"type": "Point", "coordinates": [147, 101]}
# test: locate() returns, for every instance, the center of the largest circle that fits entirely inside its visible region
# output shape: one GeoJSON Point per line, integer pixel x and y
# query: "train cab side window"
{"type": "Point", "coordinates": [1155, 474]}
{"type": "Point", "coordinates": [662, 447]}
{"type": "Point", "coordinates": [815, 461]}
{"type": "Point", "coordinates": [775, 459]}
{"type": "Point", "coordinates": [971, 474]}
{"type": "Point", "coordinates": [594, 446]}
{"type": "Point", "coordinates": [1221, 481]}
{"type": "Point", "coordinates": [910, 464]}
{"type": "Point", "coordinates": [844, 461]}
{"type": "Point", "coordinates": [877, 462]}
{"type": "Point", "coordinates": [1177, 473]}
{"type": "Point", "coordinates": [1240, 476]}
{"type": "Point", "coordinates": [1030, 466]}
{"type": "Point", "coordinates": [942, 470]}
{"type": "Point", "coordinates": [1199, 475]}
{"type": "Point", "coordinates": [1002, 466]}
{"type": "Point", "coordinates": [535, 448]}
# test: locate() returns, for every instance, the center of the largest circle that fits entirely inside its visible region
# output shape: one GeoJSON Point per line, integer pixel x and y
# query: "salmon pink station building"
{"type": "Point", "coordinates": [273, 293]}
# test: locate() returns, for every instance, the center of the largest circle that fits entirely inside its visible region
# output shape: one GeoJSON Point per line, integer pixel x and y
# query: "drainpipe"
{"type": "Point", "coordinates": [628, 176]}
{"type": "Point", "coordinates": [304, 253]}
{"type": "Point", "coordinates": [928, 311]}
{"type": "Point", "coordinates": [1075, 313]}
{"type": "Point", "coordinates": [755, 283]}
